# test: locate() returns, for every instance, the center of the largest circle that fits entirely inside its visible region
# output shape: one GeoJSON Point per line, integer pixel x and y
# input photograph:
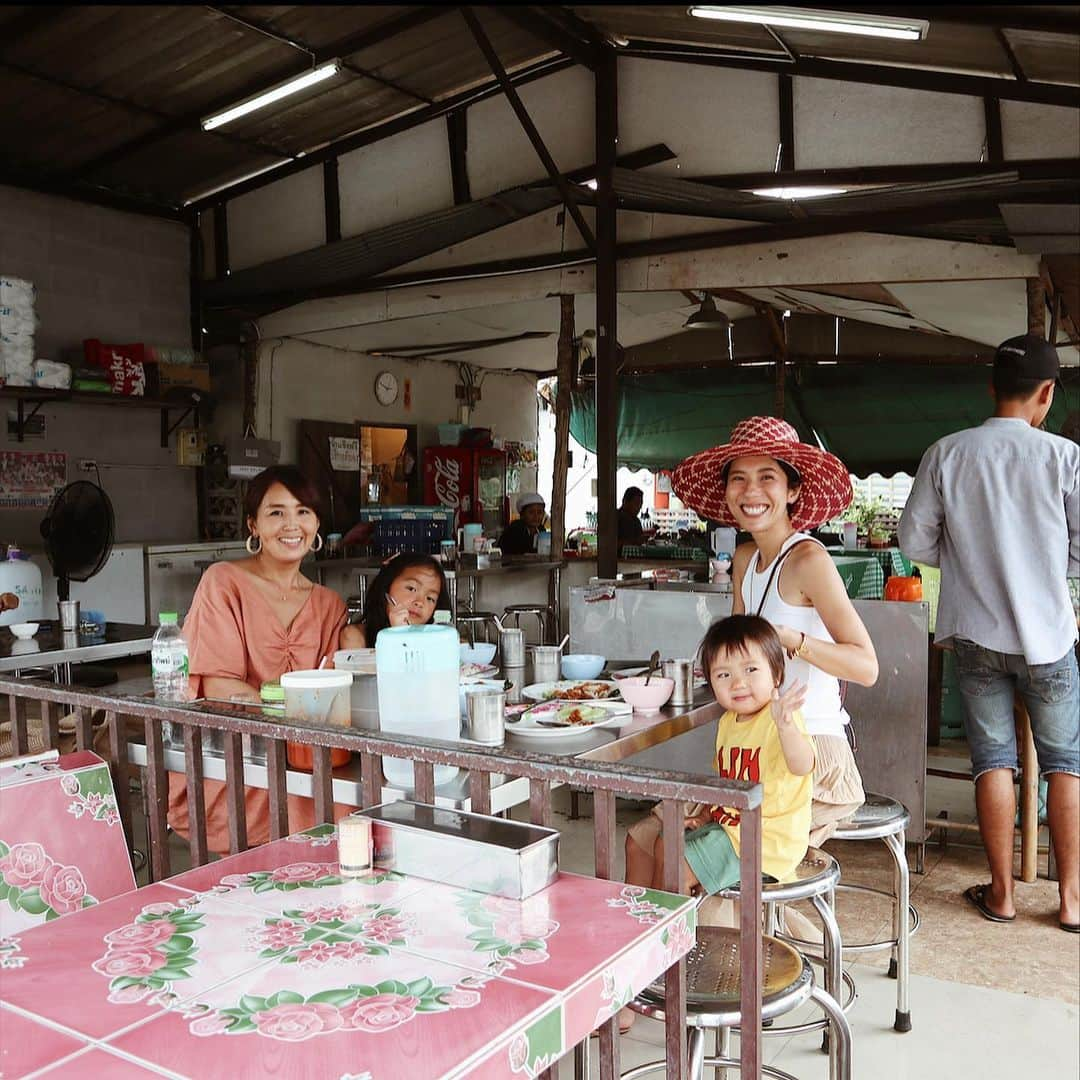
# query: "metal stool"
{"type": "Point", "coordinates": [712, 1001]}
{"type": "Point", "coordinates": [816, 879]}
{"type": "Point", "coordinates": [541, 612]}
{"type": "Point", "coordinates": [471, 624]}
{"type": "Point", "coordinates": [882, 818]}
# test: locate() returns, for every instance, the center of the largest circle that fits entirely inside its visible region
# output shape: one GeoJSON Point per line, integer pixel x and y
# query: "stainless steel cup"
{"type": "Point", "coordinates": [69, 615]}
{"type": "Point", "coordinates": [485, 716]}
{"type": "Point", "coordinates": [512, 648]}
{"type": "Point", "coordinates": [546, 660]}
{"type": "Point", "coordinates": [515, 676]}
{"type": "Point", "coordinates": [682, 672]}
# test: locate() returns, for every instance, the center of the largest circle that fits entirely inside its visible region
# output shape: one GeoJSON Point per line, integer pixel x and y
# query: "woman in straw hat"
{"type": "Point", "coordinates": [768, 483]}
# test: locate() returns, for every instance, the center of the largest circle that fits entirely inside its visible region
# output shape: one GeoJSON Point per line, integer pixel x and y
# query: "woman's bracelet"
{"type": "Point", "coordinates": [800, 652]}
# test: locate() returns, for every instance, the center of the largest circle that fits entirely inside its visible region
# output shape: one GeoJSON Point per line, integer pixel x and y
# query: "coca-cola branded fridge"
{"type": "Point", "coordinates": [471, 482]}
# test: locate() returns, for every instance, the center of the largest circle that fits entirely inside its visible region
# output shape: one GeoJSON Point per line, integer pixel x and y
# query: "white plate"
{"type": "Point", "coordinates": [543, 691]}
{"type": "Point", "coordinates": [527, 725]}
{"type": "Point", "coordinates": [472, 672]}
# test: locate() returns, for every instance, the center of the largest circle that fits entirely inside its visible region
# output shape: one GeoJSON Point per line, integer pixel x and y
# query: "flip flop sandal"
{"type": "Point", "coordinates": [1070, 927]}
{"type": "Point", "coordinates": [976, 896]}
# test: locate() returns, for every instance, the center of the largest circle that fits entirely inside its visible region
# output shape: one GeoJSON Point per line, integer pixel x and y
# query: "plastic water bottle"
{"type": "Point", "coordinates": [169, 660]}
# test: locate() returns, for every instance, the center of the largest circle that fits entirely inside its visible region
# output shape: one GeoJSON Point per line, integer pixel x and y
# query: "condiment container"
{"type": "Point", "coordinates": [354, 845]}
{"type": "Point", "coordinates": [471, 851]}
{"type": "Point", "coordinates": [418, 669]}
{"type": "Point", "coordinates": [321, 698]}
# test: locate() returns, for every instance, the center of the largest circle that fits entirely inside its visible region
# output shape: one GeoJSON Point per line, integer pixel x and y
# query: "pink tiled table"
{"type": "Point", "coordinates": [267, 963]}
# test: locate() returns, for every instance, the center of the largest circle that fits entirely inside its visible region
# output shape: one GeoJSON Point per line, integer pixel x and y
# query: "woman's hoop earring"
{"type": "Point", "coordinates": [318, 547]}
{"type": "Point", "coordinates": [247, 544]}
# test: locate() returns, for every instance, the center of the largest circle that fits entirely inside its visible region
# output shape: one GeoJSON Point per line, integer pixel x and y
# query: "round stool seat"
{"type": "Point", "coordinates": [713, 980]}
{"type": "Point", "coordinates": [878, 817]}
{"type": "Point", "coordinates": [525, 609]}
{"type": "Point", "coordinates": [816, 874]}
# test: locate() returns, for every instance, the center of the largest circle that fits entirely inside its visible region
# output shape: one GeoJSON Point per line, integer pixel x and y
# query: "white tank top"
{"type": "Point", "coordinates": [823, 712]}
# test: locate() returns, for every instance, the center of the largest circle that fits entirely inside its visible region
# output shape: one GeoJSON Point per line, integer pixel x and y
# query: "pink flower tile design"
{"type": "Point", "coordinates": [398, 1016]}
{"type": "Point", "coordinates": [555, 939]}
{"type": "Point", "coordinates": [130, 957]}
{"type": "Point", "coordinates": [28, 1045]}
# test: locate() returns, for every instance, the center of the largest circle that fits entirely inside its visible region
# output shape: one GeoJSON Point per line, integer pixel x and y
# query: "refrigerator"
{"type": "Point", "coordinates": [173, 572]}
{"type": "Point", "coordinates": [471, 482]}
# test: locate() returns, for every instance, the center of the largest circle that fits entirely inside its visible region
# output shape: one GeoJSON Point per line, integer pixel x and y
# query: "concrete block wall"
{"type": "Point", "coordinates": [122, 278]}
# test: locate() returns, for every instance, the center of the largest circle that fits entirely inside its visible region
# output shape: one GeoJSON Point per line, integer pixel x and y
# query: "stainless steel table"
{"type": "Point", "coordinates": [52, 648]}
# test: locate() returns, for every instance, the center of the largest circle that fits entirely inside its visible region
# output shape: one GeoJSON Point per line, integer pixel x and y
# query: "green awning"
{"type": "Point", "coordinates": [875, 417]}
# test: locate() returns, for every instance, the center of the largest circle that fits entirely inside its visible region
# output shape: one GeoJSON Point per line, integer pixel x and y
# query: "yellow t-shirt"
{"type": "Point", "coordinates": [751, 750]}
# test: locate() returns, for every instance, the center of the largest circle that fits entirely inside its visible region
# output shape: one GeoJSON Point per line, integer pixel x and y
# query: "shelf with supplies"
{"type": "Point", "coordinates": [36, 397]}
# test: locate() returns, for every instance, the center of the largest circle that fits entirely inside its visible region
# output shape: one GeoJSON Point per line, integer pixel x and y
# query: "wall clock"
{"type": "Point", "coordinates": [386, 388]}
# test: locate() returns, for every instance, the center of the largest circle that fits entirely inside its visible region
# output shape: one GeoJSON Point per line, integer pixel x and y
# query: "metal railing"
{"type": "Point", "coordinates": [606, 781]}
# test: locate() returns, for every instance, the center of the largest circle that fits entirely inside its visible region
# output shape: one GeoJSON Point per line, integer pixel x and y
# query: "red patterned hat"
{"type": "Point", "coordinates": [826, 483]}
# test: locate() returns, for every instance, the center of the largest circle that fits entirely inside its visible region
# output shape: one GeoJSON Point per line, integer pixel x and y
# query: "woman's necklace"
{"type": "Point", "coordinates": [281, 594]}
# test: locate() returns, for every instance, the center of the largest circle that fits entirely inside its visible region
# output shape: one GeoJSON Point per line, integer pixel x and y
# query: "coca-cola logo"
{"type": "Point", "coordinates": [448, 481]}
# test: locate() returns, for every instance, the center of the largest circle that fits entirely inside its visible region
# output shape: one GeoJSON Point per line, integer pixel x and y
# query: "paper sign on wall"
{"type": "Point", "coordinates": [29, 481]}
{"type": "Point", "coordinates": [344, 454]}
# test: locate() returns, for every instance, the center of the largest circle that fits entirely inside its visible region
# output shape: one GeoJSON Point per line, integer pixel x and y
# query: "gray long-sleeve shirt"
{"type": "Point", "coordinates": [997, 507]}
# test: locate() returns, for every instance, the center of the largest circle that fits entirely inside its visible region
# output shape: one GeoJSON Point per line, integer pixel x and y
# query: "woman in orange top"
{"type": "Point", "coordinates": [252, 620]}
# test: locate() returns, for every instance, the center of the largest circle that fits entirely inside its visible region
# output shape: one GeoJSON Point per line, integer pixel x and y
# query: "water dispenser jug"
{"type": "Point", "coordinates": [417, 670]}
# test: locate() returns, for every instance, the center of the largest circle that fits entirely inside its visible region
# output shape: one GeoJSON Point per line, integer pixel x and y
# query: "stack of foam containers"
{"type": "Point", "coordinates": [18, 322]}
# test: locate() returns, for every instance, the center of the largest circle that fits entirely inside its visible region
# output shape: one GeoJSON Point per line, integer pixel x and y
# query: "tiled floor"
{"type": "Point", "coordinates": [987, 1000]}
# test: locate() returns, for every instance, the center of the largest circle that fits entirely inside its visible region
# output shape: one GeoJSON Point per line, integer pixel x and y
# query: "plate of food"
{"type": "Point", "coordinates": [572, 690]}
{"type": "Point", "coordinates": [566, 719]}
{"type": "Point", "coordinates": [472, 672]}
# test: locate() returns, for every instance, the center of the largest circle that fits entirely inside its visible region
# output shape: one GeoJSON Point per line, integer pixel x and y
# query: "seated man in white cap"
{"type": "Point", "coordinates": [519, 537]}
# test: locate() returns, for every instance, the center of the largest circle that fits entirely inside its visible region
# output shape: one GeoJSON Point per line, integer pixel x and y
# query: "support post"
{"type": "Point", "coordinates": [331, 200]}
{"type": "Point", "coordinates": [1036, 306]}
{"type": "Point", "coordinates": [564, 362]}
{"type": "Point", "coordinates": [607, 391]}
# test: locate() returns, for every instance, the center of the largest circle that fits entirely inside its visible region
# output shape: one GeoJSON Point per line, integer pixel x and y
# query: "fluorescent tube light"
{"type": "Point", "coordinates": [798, 192]}
{"type": "Point", "coordinates": [275, 93]}
{"type": "Point", "coordinates": [837, 22]}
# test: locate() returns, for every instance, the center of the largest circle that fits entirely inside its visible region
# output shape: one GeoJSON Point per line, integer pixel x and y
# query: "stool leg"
{"type": "Point", "coordinates": [723, 1049]}
{"type": "Point", "coordinates": [695, 1054]}
{"type": "Point", "coordinates": [903, 924]}
{"type": "Point", "coordinates": [832, 950]}
{"type": "Point", "coordinates": [840, 1029]}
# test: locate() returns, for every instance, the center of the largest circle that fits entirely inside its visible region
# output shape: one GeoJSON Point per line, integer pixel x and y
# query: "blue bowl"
{"type": "Point", "coordinates": [582, 665]}
{"type": "Point", "coordinates": [480, 653]}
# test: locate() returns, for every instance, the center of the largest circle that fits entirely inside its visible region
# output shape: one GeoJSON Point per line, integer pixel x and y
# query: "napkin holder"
{"type": "Point", "coordinates": [469, 851]}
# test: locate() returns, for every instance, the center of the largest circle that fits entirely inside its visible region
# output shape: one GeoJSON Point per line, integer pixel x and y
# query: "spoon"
{"type": "Point", "coordinates": [654, 663]}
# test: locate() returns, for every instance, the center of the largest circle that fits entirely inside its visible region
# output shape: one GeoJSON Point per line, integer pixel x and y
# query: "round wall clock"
{"type": "Point", "coordinates": [386, 388]}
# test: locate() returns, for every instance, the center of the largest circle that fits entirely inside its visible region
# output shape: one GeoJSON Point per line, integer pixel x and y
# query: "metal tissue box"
{"type": "Point", "coordinates": [471, 851]}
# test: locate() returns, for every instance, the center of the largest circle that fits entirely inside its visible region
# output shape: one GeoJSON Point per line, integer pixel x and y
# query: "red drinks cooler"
{"type": "Point", "coordinates": [470, 482]}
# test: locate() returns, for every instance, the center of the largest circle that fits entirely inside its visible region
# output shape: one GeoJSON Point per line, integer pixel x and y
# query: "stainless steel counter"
{"type": "Point", "coordinates": [50, 647]}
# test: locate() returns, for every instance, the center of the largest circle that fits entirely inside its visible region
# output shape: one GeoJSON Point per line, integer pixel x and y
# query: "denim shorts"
{"type": "Point", "coordinates": [1051, 693]}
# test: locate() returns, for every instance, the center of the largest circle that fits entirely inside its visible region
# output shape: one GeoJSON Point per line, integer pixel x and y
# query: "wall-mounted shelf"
{"type": "Point", "coordinates": [29, 399]}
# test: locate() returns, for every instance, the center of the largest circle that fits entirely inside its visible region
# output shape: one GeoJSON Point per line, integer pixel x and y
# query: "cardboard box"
{"type": "Point", "coordinates": [193, 376]}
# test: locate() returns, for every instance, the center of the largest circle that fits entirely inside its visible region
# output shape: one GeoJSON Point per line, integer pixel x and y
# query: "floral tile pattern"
{"type": "Point", "coordinates": [61, 845]}
{"type": "Point", "coordinates": [277, 964]}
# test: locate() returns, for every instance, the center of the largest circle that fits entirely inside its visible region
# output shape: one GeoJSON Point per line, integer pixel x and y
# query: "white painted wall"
{"type": "Point", "coordinates": [299, 381]}
{"type": "Point", "coordinates": [840, 124]}
{"type": "Point", "coordinates": [396, 179]}
{"type": "Point", "coordinates": [562, 108]}
{"type": "Point", "coordinates": [280, 219]}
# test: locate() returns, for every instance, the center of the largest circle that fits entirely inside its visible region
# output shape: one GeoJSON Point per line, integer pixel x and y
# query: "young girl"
{"type": "Point", "coordinates": [405, 592]}
{"type": "Point", "coordinates": [772, 485]}
{"type": "Point", "coordinates": [761, 738]}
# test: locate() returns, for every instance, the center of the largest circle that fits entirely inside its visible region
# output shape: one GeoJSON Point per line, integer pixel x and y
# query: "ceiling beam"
{"type": "Point", "coordinates": [413, 118]}
{"type": "Point", "coordinates": [190, 121]}
{"type": "Point", "coordinates": [1034, 169]}
{"type": "Point", "coordinates": [942, 82]}
{"type": "Point", "coordinates": [87, 193]}
{"type": "Point", "coordinates": [1017, 69]}
{"type": "Point", "coordinates": [513, 98]}
{"type": "Point", "coordinates": [536, 22]}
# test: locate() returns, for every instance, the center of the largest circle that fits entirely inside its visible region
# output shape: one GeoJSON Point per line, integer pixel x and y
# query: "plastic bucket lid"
{"type": "Point", "coordinates": [326, 679]}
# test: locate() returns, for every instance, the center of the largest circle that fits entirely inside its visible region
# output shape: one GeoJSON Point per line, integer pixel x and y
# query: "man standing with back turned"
{"type": "Point", "coordinates": [997, 507]}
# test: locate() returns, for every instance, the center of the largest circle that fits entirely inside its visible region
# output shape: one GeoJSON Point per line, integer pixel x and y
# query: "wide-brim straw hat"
{"type": "Point", "coordinates": [826, 484]}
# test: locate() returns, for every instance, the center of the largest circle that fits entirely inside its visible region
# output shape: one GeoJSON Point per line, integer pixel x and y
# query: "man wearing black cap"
{"type": "Point", "coordinates": [997, 507]}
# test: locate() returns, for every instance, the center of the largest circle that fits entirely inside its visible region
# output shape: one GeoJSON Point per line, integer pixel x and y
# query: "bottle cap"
{"type": "Point", "coordinates": [441, 617]}
{"type": "Point", "coordinates": [167, 618]}
{"type": "Point", "coordinates": [272, 692]}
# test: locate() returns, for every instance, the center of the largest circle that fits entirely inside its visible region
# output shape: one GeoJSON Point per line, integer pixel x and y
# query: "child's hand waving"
{"type": "Point", "coordinates": [784, 706]}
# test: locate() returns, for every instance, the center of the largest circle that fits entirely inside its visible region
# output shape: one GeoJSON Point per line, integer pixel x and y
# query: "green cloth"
{"type": "Point", "coordinates": [893, 561]}
{"type": "Point", "coordinates": [863, 578]}
{"type": "Point", "coordinates": [877, 417]}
